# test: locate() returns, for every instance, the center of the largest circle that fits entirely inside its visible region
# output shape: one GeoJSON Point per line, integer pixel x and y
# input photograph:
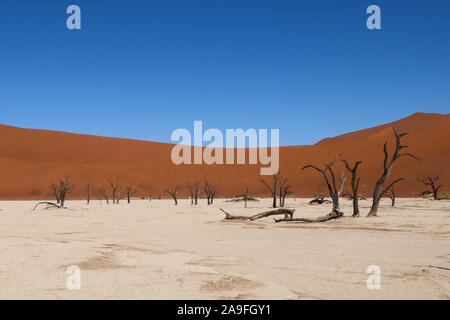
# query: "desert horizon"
{"type": "Point", "coordinates": [33, 164]}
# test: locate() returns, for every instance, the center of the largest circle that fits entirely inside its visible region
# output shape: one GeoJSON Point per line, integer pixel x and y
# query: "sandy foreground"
{"type": "Point", "coordinates": [155, 250]}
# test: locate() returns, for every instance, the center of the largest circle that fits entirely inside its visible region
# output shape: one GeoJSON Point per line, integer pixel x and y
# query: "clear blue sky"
{"type": "Point", "coordinates": [140, 69]}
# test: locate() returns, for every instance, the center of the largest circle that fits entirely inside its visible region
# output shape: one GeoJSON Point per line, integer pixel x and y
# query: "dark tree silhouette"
{"type": "Point", "coordinates": [115, 191]}
{"type": "Point", "coordinates": [355, 185]}
{"type": "Point", "coordinates": [333, 189]}
{"type": "Point", "coordinates": [273, 189]}
{"type": "Point", "coordinates": [433, 183]}
{"type": "Point", "coordinates": [174, 193]}
{"type": "Point", "coordinates": [387, 167]}
{"type": "Point", "coordinates": [88, 190]}
{"type": "Point", "coordinates": [130, 193]}
{"type": "Point", "coordinates": [210, 191]}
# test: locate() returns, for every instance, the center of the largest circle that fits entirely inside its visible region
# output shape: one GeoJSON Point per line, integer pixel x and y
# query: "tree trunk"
{"type": "Point", "coordinates": [288, 214]}
{"type": "Point", "coordinates": [387, 166]}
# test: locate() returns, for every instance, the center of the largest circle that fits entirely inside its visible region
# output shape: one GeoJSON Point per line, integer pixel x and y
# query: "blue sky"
{"type": "Point", "coordinates": [140, 69]}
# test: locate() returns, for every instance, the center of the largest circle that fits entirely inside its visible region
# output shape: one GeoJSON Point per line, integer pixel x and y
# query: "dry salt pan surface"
{"type": "Point", "coordinates": [155, 250]}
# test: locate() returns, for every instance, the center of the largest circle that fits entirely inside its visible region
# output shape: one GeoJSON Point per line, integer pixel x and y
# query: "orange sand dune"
{"type": "Point", "coordinates": [31, 159]}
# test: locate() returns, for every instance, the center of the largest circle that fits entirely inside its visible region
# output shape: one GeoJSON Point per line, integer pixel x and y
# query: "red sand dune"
{"type": "Point", "coordinates": [31, 159]}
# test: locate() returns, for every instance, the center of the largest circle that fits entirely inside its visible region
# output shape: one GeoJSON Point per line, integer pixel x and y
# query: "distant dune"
{"type": "Point", "coordinates": [31, 159]}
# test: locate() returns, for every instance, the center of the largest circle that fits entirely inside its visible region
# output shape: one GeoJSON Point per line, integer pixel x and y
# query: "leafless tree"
{"type": "Point", "coordinates": [194, 191]}
{"type": "Point", "coordinates": [104, 194]}
{"type": "Point", "coordinates": [191, 192]}
{"type": "Point", "coordinates": [333, 188]}
{"type": "Point", "coordinates": [273, 189]}
{"type": "Point", "coordinates": [284, 189]}
{"type": "Point", "coordinates": [355, 185]}
{"type": "Point", "coordinates": [387, 167]}
{"type": "Point", "coordinates": [246, 197]}
{"type": "Point", "coordinates": [210, 191]}
{"type": "Point", "coordinates": [432, 181]}
{"type": "Point", "coordinates": [61, 190]}
{"type": "Point", "coordinates": [118, 196]}
{"type": "Point", "coordinates": [55, 190]}
{"type": "Point", "coordinates": [130, 193]}
{"type": "Point", "coordinates": [115, 190]}
{"type": "Point", "coordinates": [391, 195]}
{"type": "Point", "coordinates": [174, 193]}
{"type": "Point", "coordinates": [88, 190]}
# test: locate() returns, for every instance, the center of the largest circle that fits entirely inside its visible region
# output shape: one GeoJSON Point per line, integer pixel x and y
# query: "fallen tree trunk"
{"type": "Point", "coordinates": [335, 214]}
{"type": "Point", "coordinates": [288, 214]}
{"type": "Point", "coordinates": [319, 200]}
{"type": "Point", "coordinates": [48, 204]}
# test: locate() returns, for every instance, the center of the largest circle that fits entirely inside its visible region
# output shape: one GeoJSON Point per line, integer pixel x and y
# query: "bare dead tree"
{"type": "Point", "coordinates": [118, 196]}
{"type": "Point", "coordinates": [88, 190]}
{"type": "Point", "coordinates": [60, 190]}
{"type": "Point", "coordinates": [273, 189]}
{"type": "Point", "coordinates": [115, 189]}
{"type": "Point", "coordinates": [104, 194]}
{"type": "Point", "coordinates": [246, 197]}
{"type": "Point", "coordinates": [210, 191]}
{"type": "Point", "coordinates": [432, 181]}
{"type": "Point", "coordinates": [174, 193]}
{"type": "Point", "coordinates": [285, 190]}
{"type": "Point", "coordinates": [391, 195]}
{"type": "Point", "coordinates": [194, 191]}
{"type": "Point", "coordinates": [387, 167]}
{"type": "Point", "coordinates": [355, 185]}
{"type": "Point", "coordinates": [333, 189]}
{"type": "Point", "coordinates": [191, 192]}
{"type": "Point", "coordinates": [130, 193]}
{"type": "Point", "coordinates": [55, 190]}
{"type": "Point", "coordinates": [65, 187]}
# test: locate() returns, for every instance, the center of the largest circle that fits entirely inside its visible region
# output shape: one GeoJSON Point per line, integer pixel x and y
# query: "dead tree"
{"type": "Point", "coordinates": [273, 189]}
{"type": "Point", "coordinates": [391, 195]}
{"type": "Point", "coordinates": [355, 185]}
{"type": "Point", "coordinates": [246, 197]}
{"type": "Point", "coordinates": [130, 193]}
{"type": "Point", "coordinates": [432, 182]}
{"type": "Point", "coordinates": [333, 189]}
{"type": "Point", "coordinates": [194, 191]}
{"type": "Point", "coordinates": [174, 193]}
{"type": "Point", "coordinates": [88, 190]}
{"type": "Point", "coordinates": [284, 189]}
{"type": "Point", "coordinates": [288, 215]}
{"type": "Point", "coordinates": [55, 190]}
{"type": "Point", "coordinates": [105, 195]}
{"type": "Point", "coordinates": [118, 196]}
{"type": "Point", "coordinates": [114, 188]}
{"type": "Point", "coordinates": [61, 190]}
{"type": "Point", "coordinates": [64, 189]}
{"type": "Point", "coordinates": [210, 191]}
{"type": "Point", "coordinates": [191, 192]}
{"type": "Point", "coordinates": [387, 167]}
